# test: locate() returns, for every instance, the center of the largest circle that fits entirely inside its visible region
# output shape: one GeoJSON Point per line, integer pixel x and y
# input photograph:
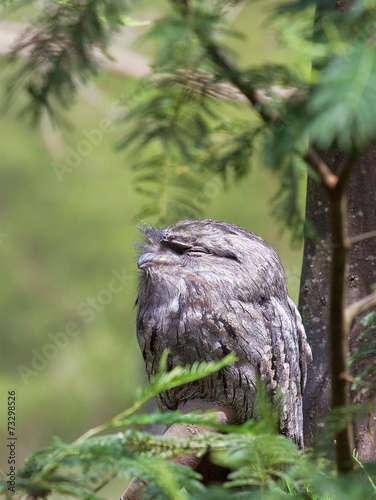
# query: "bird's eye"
{"type": "Point", "coordinates": [196, 250]}
{"type": "Point", "coordinates": [177, 246]}
{"type": "Point", "coordinates": [181, 247]}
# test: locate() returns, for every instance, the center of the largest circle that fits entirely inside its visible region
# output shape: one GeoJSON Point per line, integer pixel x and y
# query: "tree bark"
{"type": "Point", "coordinates": [314, 291]}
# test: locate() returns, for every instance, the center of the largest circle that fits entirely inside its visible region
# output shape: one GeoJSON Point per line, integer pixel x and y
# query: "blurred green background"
{"type": "Point", "coordinates": [63, 243]}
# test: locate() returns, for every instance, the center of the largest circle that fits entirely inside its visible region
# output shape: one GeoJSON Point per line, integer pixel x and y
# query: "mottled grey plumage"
{"type": "Point", "coordinates": [208, 288]}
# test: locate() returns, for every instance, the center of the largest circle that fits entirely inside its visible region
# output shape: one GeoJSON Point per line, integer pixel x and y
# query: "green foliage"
{"type": "Point", "coordinates": [174, 129]}
{"type": "Point", "coordinates": [71, 468]}
{"type": "Point", "coordinates": [340, 107]}
{"type": "Point", "coordinates": [338, 110]}
{"type": "Point", "coordinates": [283, 155]}
{"type": "Point", "coordinates": [178, 147]}
{"type": "Point", "coordinates": [182, 147]}
{"type": "Point", "coordinates": [168, 134]}
{"type": "Point", "coordinates": [60, 45]}
{"type": "Point", "coordinates": [258, 460]}
{"type": "Point", "coordinates": [226, 149]}
{"type": "Point", "coordinates": [180, 49]}
{"type": "Point", "coordinates": [263, 464]}
{"type": "Point", "coordinates": [365, 471]}
{"type": "Point", "coordinates": [366, 380]}
{"type": "Point", "coordinates": [197, 147]}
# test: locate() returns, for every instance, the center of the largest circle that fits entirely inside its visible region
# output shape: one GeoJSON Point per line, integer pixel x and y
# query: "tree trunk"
{"type": "Point", "coordinates": [314, 291]}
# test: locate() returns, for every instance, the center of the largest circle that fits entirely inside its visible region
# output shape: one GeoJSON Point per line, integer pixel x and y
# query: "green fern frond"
{"type": "Point", "coordinates": [341, 107]}
{"type": "Point", "coordinates": [179, 375]}
{"type": "Point", "coordinates": [365, 353]}
{"type": "Point", "coordinates": [288, 201]}
{"type": "Point", "coordinates": [59, 467]}
{"type": "Point", "coordinates": [257, 460]}
{"type": "Point", "coordinates": [61, 53]}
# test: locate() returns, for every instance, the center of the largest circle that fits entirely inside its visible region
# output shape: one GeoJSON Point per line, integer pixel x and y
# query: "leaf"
{"type": "Point", "coordinates": [364, 358]}
{"type": "Point", "coordinates": [61, 55]}
{"type": "Point", "coordinates": [164, 381]}
{"type": "Point", "coordinates": [341, 106]}
{"type": "Point", "coordinates": [256, 459]}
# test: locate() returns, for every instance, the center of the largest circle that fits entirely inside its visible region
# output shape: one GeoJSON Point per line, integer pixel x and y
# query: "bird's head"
{"type": "Point", "coordinates": [204, 254]}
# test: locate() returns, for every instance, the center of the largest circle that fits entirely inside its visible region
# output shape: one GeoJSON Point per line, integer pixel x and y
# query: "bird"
{"type": "Point", "coordinates": [208, 288]}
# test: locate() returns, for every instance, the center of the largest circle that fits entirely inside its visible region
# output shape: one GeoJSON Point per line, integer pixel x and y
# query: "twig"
{"type": "Point", "coordinates": [358, 382]}
{"type": "Point", "coordinates": [359, 307]}
{"type": "Point", "coordinates": [355, 456]}
{"type": "Point", "coordinates": [206, 85]}
{"type": "Point", "coordinates": [338, 327]}
{"type": "Point", "coordinates": [328, 179]}
{"type": "Point", "coordinates": [230, 70]}
{"type": "Point", "coordinates": [254, 95]}
{"type": "Point", "coordinates": [362, 237]}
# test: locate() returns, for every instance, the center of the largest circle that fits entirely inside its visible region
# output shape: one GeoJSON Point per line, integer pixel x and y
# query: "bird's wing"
{"type": "Point", "coordinates": [276, 335]}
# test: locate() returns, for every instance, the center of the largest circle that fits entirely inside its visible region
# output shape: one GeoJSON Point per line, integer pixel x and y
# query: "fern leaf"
{"type": "Point", "coordinates": [341, 107]}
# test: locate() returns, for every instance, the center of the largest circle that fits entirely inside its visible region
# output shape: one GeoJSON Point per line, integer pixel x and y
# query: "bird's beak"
{"type": "Point", "coordinates": [144, 259]}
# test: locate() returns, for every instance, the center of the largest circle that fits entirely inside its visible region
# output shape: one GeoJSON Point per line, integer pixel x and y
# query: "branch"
{"type": "Point", "coordinates": [206, 85]}
{"type": "Point", "coordinates": [362, 237]}
{"type": "Point", "coordinates": [230, 71]}
{"type": "Point", "coordinates": [254, 95]}
{"type": "Point", "coordinates": [328, 179]}
{"type": "Point", "coordinates": [359, 307]}
{"type": "Point", "coordinates": [228, 67]}
{"type": "Point", "coordinates": [360, 383]}
{"type": "Point", "coordinates": [338, 326]}
{"type": "Point", "coordinates": [131, 63]}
